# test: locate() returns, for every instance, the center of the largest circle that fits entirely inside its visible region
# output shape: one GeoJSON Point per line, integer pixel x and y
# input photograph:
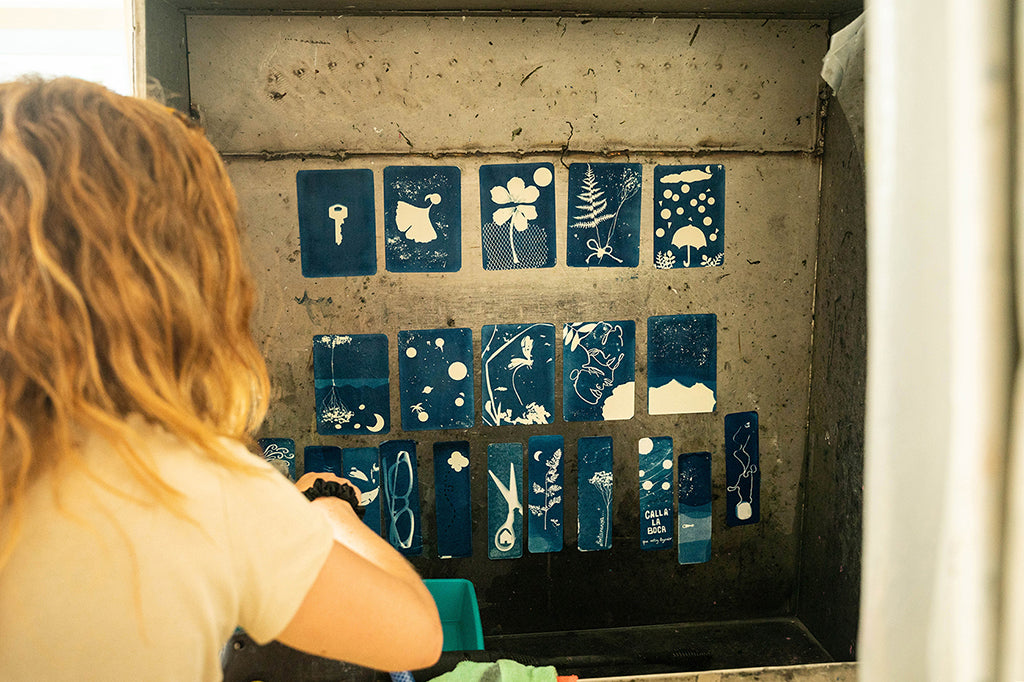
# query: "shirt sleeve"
{"type": "Point", "coordinates": [280, 543]}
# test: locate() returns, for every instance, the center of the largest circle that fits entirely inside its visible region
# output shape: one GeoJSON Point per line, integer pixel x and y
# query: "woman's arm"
{"type": "Point", "coordinates": [368, 605]}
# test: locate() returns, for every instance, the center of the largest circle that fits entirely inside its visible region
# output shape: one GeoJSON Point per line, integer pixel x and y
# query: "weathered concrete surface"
{"type": "Point", "coordinates": [407, 84]}
{"type": "Point", "coordinates": [831, 544]}
{"type": "Point", "coordinates": [762, 296]}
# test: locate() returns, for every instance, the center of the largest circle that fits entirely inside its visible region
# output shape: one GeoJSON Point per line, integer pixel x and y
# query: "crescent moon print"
{"type": "Point", "coordinates": [351, 383]}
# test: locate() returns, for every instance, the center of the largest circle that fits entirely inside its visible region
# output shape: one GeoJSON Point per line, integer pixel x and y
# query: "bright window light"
{"type": "Point", "coordinates": [87, 39]}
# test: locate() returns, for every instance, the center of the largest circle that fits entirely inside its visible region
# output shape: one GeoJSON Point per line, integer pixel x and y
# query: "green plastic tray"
{"type": "Point", "coordinates": [460, 616]}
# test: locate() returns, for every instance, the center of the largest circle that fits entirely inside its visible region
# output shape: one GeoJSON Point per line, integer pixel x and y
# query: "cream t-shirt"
{"type": "Point", "coordinates": [100, 588]}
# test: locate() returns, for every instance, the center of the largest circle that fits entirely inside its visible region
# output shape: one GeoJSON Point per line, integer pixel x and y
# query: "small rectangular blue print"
{"type": "Point", "coordinates": [595, 478]}
{"type": "Point", "coordinates": [350, 382]}
{"type": "Point", "coordinates": [504, 501]}
{"type": "Point", "coordinates": [742, 469]}
{"type": "Point", "coordinates": [435, 375]}
{"type": "Point", "coordinates": [689, 216]}
{"type": "Point", "coordinates": [517, 215]}
{"type": "Point", "coordinates": [518, 373]}
{"type": "Point", "coordinates": [598, 380]}
{"type": "Point", "coordinates": [694, 507]}
{"type": "Point", "coordinates": [322, 458]}
{"type": "Point", "coordinates": [422, 218]}
{"type": "Point", "coordinates": [656, 501]}
{"type": "Point", "coordinates": [546, 474]}
{"type": "Point", "coordinates": [682, 364]}
{"type": "Point", "coordinates": [452, 500]}
{"type": "Point", "coordinates": [280, 452]}
{"type": "Point", "coordinates": [337, 227]}
{"type": "Point", "coordinates": [400, 505]}
{"type": "Point", "coordinates": [604, 215]}
{"type": "Point", "coordinates": [362, 469]}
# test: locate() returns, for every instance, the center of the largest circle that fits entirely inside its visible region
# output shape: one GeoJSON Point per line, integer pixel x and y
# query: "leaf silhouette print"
{"type": "Point", "coordinates": [520, 213]}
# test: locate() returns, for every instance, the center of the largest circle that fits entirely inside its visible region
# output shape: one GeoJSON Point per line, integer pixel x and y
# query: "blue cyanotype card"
{"type": "Point", "coordinates": [400, 506]}
{"type": "Point", "coordinates": [742, 469]}
{"type": "Point", "coordinates": [350, 383]}
{"type": "Point", "coordinates": [452, 500]}
{"type": "Point", "coordinates": [362, 469]}
{"type": "Point", "coordinates": [546, 480]}
{"type": "Point", "coordinates": [517, 373]}
{"type": "Point", "coordinates": [656, 501]}
{"type": "Point", "coordinates": [280, 452]}
{"type": "Point", "coordinates": [504, 500]}
{"type": "Point", "coordinates": [594, 462]}
{"type": "Point", "coordinates": [435, 376]}
{"type": "Point", "coordinates": [337, 229]}
{"type": "Point", "coordinates": [682, 364]}
{"type": "Point", "coordinates": [598, 361]}
{"type": "Point", "coordinates": [604, 215]}
{"type": "Point", "coordinates": [689, 216]}
{"type": "Point", "coordinates": [422, 218]}
{"type": "Point", "coordinates": [517, 215]}
{"type": "Point", "coordinates": [322, 458]}
{"type": "Point", "coordinates": [694, 507]}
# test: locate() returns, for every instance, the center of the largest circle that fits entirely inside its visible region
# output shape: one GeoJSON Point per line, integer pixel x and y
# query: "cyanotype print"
{"type": "Point", "coordinates": [604, 215]}
{"type": "Point", "coordinates": [350, 382]}
{"type": "Point", "coordinates": [452, 500]}
{"type": "Point", "coordinates": [546, 467]}
{"type": "Point", "coordinates": [742, 469]}
{"type": "Point", "coordinates": [518, 374]}
{"type": "Point", "coordinates": [595, 486]}
{"type": "Point", "coordinates": [689, 212]}
{"type": "Point", "coordinates": [362, 469]}
{"type": "Point", "coordinates": [337, 227]}
{"type": "Point", "coordinates": [322, 458]}
{"type": "Point", "coordinates": [598, 360]}
{"type": "Point", "coordinates": [504, 501]}
{"type": "Point", "coordinates": [694, 507]}
{"type": "Point", "coordinates": [422, 219]}
{"type": "Point", "coordinates": [682, 364]}
{"type": "Point", "coordinates": [280, 452]}
{"type": "Point", "coordinates": [656, 501]}
{"type": "Point", "coordinates": [517, 215]}
{"type": "Point", "coordinates": [400, 505]}
{"type": "Point", "coordinates": [435, 375]}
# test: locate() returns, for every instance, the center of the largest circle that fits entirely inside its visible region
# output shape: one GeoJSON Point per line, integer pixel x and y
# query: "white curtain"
{"type": "Point", "coordinates": [942, 584]}
{"type": "Point", "coordinates": [83, 38]}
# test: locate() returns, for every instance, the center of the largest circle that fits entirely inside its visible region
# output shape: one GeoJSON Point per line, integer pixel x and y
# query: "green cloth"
{"type": "Point", "coordinates": [502, 670]}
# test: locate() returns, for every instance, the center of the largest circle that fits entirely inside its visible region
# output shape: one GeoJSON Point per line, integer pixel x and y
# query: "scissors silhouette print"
{"type": "Point", "coordinates": [505, 538]}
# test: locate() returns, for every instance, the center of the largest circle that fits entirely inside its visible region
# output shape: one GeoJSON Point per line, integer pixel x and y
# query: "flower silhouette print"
{"type": "Point", "coordinates": [521, 197]}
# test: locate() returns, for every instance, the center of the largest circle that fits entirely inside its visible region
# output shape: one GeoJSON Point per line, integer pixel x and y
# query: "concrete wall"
{"type": "Point", "coordinates": [281, 94]}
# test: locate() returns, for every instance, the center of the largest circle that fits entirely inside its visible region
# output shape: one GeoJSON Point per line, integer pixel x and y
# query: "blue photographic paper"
{"type": "Point", "coordinates": [656, 502]}
{"type": "Point", "coordinates": [435, 376]}
{"type": "Point", "coordinates": [604, 215]}
{"type": "Point", "coordinates": [595, 485]}
{"type": "Point", "coordinates": [517, 215]}
{"type": "Point", "coordinates": [452, 500]}
{"type": "Point", "coordinates": [504, 500]}
{"type": "Point", "coordinates": [689, 216]}
{"type": "Point", "coordinates": [322, 458]}
{"type": "Point", "coordinates": [400, 504]}
{"type": "Point", "coordinates": [337, 228]}
{"type": "Point", "coordinates": [546, 474]}
{"type": "Point", "coordinates": [362, 469]}
{"type": "Point", "coordinates": [422, 218]}
{"type": "Point", "coordinates": [350, 382]}
{"type": "Point", "coordinates": [517, 374]}
{"type": "Point", "coordinates": [598, 360]}
{"type": "Point", "coordinates": [742, 470]}
{"type": "Point", "coordinates": [280, 452]}
{"type": "Point", "coordinates": [694, 507]}
{"type": "Point", "coordinates": [682, 365]}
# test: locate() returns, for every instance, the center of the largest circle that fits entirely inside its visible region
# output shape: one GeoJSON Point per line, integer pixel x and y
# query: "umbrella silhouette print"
{"type": "Point", "coordinates": [689, 236]}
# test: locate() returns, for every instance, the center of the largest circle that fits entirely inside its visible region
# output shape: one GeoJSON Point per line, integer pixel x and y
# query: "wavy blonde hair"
{"type": "Point", "coordinates": [122, 286]}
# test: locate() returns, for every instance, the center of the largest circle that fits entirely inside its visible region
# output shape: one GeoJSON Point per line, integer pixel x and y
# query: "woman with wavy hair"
{"type": "Point", "coordinates": [137, 530]}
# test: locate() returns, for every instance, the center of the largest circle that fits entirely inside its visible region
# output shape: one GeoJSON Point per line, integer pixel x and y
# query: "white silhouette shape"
{"type": "Point", "coordinates": [519, 215]}
{"type": "Point", "coordinates": [338, 213]}
{"type": "Point", "coordinates": [505, 537]}
{"type": "Point", "coordinates": [414, 221]}
{"type": "Point", "coordinates": [688, 236]}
